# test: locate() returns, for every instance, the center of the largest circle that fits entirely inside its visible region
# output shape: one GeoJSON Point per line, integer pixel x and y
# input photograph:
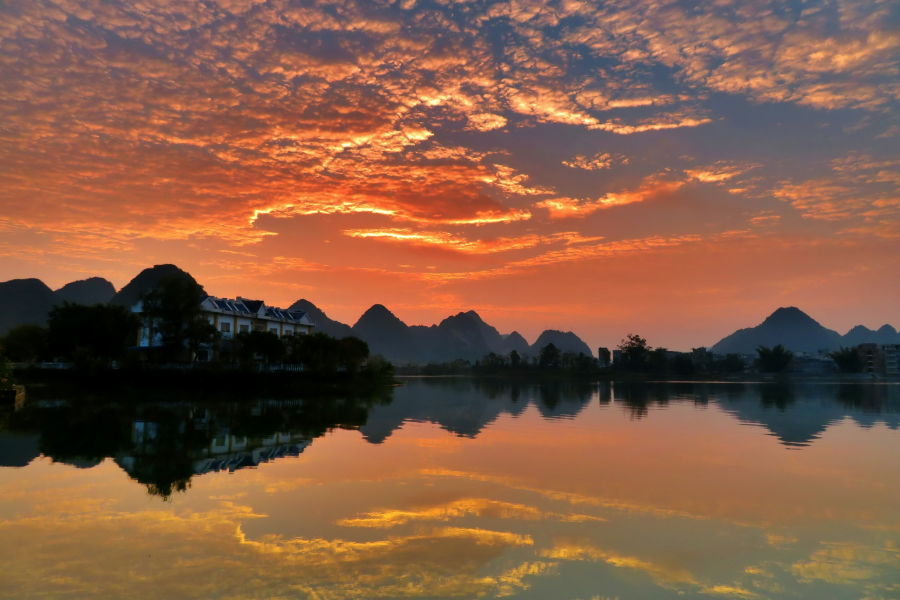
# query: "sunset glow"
{"type": "Point", "coordinates": [600, 167]}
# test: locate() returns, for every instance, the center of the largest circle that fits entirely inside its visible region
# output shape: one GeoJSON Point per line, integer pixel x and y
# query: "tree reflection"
{"type": "Point", "coordinates": [164, 445]}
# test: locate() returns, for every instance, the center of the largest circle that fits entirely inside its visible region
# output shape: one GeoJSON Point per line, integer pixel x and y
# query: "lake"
{"type": "Point", "coordinates": [457, 488]}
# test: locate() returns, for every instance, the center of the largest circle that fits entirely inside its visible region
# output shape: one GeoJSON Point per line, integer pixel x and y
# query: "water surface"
{"type": "Point", "coordinates": [453, 488]}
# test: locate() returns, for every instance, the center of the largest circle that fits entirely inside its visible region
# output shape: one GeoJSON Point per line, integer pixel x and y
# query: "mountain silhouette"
{"type": "Point", "coordinates": [387, 335]}
{"type": "Point", "coordinates": [791, 327]}
{"type": "Point", "coordinates": [464, 335]}
{"type": "Point", "coordinates": [146, 280]}
{"type": "Point", "coordinates": [863, 335]}
{"type": "Point", "coordinates": [461, 336]}
{"type": "Point", "coordinates": [323, 323]}
{"type": "Point", "coordinates": [24, 301]}
{"type": "Point", "coordinates": [514, 341]}
{"type": "Point", "coordinates": [566, 341]}
{"type": "Point", "coordinates": [94, 290]}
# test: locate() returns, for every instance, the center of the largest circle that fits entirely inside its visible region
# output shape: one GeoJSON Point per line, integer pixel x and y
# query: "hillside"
{"type": "Point", "coordinates": [24, 301]}
{"type": "Point", "coordinates": [387, 335]}
{"type": "Point", "coordinates": [863, 335]}
{"type": "Point", "coordinates": [146, 280]}
{"type": "Point", "coordinates": [323, 323]}
{"type": "Point", "coordinates": [565, 341]}
{"type": "Point", "coordinates": [515, 341]}
{"type": "Point", "coordinates": [94, 290]}
{"type": "Point", "coordinates": [790, 327]}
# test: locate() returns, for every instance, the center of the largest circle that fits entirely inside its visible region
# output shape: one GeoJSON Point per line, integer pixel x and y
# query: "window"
{"type": "Point", "coordinates": [274, 330]}
{"type": "Point", "coordinates": [226, 327]}
{"type": "Point", "coordinates": [288, 331]}
{"type": "Point", "coordinates": [244, 328]}
{"type": "Point", "coordinates": [260, 328]}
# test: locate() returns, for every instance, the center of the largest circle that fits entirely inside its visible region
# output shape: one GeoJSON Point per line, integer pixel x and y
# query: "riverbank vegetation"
{"type": "Point", "coordinates": [101, 341]}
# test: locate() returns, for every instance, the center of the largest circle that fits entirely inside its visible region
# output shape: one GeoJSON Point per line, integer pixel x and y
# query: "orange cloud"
{"type": "Point", "coordinates": [561, 208]}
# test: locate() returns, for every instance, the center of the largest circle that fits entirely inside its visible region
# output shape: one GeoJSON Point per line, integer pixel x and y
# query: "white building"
{"type": "Point", "coordinates": [241, 315]}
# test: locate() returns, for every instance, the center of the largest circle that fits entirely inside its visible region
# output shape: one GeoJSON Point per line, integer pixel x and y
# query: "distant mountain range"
{"type": "Point", "coordinates": [799, 332]}
{"type": "Point", "coordinates": [462, 336]}
{"type": "Point", "coordinates": [30, 300]}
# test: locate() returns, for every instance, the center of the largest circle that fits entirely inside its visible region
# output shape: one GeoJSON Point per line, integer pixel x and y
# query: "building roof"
{"type": "Point", "coordinates": [257, 309]}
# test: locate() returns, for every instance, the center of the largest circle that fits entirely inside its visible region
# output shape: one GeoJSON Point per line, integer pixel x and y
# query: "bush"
{"type": "Point", "coordinates": [25, 343]}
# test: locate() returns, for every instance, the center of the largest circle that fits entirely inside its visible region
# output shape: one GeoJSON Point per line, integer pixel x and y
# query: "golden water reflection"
{"type": "Point", "coordinates": [459, 490]}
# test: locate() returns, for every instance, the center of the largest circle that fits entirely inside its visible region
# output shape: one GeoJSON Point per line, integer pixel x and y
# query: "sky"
{"type": "Point", "coordinates": [672, 169]}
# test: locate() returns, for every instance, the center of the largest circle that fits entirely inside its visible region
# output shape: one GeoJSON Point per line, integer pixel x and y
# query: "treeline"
{"type": "Point", "coordinates": [102, 336]}
{"type": "Point", "coordinates": [633, 356]}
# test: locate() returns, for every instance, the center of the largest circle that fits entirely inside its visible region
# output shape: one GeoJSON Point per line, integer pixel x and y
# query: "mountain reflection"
{"type": "Point", "coordinates": [164, 444]}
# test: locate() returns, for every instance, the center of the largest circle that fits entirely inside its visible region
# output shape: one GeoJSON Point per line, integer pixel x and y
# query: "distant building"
{"type": "Point", "coordinates": [604, 357]}
{"type": "Point", "coordinates": [880, 359]}
{"type": "Point", "coordinates": [617, 357]}
{"type": "Point", "coordinates": [812, 364]}
{"type": "Point", "coordinates": [239, 316]}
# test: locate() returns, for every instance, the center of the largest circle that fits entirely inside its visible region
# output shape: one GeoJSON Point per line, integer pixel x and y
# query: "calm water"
{"type": "Point", "coordinates": [452, 489]}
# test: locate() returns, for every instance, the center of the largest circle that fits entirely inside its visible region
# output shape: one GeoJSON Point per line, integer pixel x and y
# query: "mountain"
{"type": "Point", "coordinates": [323, 323]}
{"type": "Point", "coordinates": [24, 301]}
{"type": "Point", "coordinates": [863, 335]}
{"type": "Point", "coordinates": [147, 279]}
{"type": "Point", "coordinates": [514, 341]}
{"type": "Point", "coordinates": [387, 335]}
{"type": "Point", "coordinates": [491, 336]}
{"type": "Point", "coordinates": [790, 327]}
{"type": "Point", "coordinates": [565, 341]}
{"type": "Point", "coordinates": [94, 290]}
{"type": "Point", "coordinates": [461, 336]}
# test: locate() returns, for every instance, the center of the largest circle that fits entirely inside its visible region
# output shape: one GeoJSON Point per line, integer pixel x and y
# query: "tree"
{"type": "Point", "coordinates": [683, 365]}
{"type": "Point", "coordinates": [25, 343]}
{"type": "Point", "coordinates": [263, 344]}
{"type": "Point", "coordinates": [493, 362]}
{"type": "Point", "coordinates": [773, 360]}
{"type": "Point", "coordinates": [199, 333]}
{"type": "Point", "coordinates": [550, 357]}
{"type": "Point", "coordinates": [635, 352]}
{"type": "Point", "coordinates": [514, 359]}
{"type": "Point", "coordinates": [659, 360]}
{"type": "Point", "coordinates": [354, 353]}
{"type": "Point", "coordinates": [170, 311]}
{"type": "Point", "coordinates": [848, 360]}
{"type": "Point", "coordinates": [100, 331]}
{"type": "Point", "coordinates": [732, 363]}
{"type": "Point", "coordinates": [6, 378]}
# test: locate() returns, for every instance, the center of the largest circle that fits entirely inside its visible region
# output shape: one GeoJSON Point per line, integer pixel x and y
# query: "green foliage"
{"type": "Point", "coordinates": [100, 332]}
{"type": "Point", "coordinates": [25, 343]}
{"type": "Point", "coordinates": [848, 360]}
{"type": "Point", "coordinates": [172, 310]}
{"type": "Point", "coordinates": [378, 367]}
{"type": "Point", "coordinates": [773, 360]}
{"type": "Point", "coordinates": [635, 352]}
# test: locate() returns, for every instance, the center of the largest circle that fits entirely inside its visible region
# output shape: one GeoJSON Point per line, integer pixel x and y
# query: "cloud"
{"type": "Point", "coordinates": [651, 187]}
{"type": "Point", "coordinates": [486, 122]}
{"type": "Point", "coordinates": [598, 161]}
{"type": "Point", "coordinates": [455, 243]}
